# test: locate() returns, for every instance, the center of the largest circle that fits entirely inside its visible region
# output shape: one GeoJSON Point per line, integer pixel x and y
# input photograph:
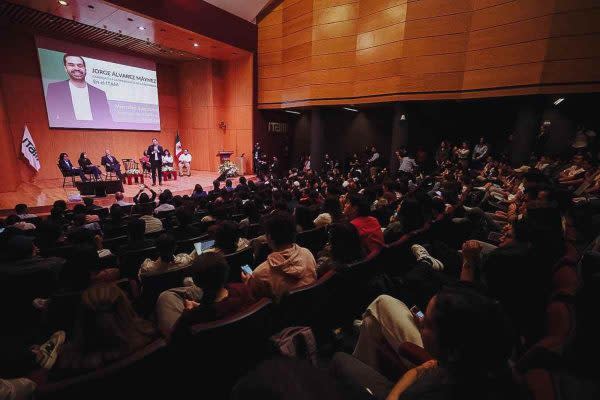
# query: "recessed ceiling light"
{"type": "Point", "coordinates": [91, 7]}
{"type": "Point", "coordinates": [292, 112]}
{"type": "Point", "coordinates": [196, 45]}
{"type": "Point", "coordinates": [350, 109]}
{"type": "Point", "coordinates": [63, 3]}
{"type": "Point", "coordinates": [130, 19]}
{"type": "Point", "coordinates": [141, 28]}
{"type": "Point", "coordinates": [559, 100]}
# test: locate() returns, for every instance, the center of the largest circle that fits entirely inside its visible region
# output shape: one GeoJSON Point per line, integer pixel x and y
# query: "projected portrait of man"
{"type": "Point", "coordinates": [74, 99]}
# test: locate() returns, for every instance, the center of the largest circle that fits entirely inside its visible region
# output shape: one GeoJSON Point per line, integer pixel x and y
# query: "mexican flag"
{"type": "Point", "coordinates": [178, 148]}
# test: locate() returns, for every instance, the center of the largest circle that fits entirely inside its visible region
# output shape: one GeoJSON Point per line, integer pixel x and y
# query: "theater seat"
{"type": "Point", "coordinates": [141, 374]}
{"type": "Point", "coordinates": [314, 239]}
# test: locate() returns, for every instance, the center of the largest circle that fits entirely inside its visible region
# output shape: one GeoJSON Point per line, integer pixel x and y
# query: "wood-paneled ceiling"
{"type": "Point", "coordinates": [104, 23]}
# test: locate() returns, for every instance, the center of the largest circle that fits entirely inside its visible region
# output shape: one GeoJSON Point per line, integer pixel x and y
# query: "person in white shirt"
{"type": "Point", "coordinates": [120, 200]}
{"type": "Point", "coordinates": [73, 101]}
{"type": "Point", "coordinates": [167, 161]}
{"type": "Point", "coordinates": [407, 165]}
{"type": "Point", "coordinates": [185, 161]}
{"type": "Point", "coordinates": [163, 202]}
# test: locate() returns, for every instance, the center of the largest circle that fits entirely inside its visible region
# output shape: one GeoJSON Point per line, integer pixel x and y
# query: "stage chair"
{"type": "Point", "coordinates": [66, 175]}
{"type": "Point", "coordinates": [109, 174]}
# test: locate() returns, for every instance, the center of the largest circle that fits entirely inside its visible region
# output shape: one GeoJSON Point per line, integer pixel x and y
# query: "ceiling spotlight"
{"type": "Point", "coordinates": [63, 3]}
{"type": "Point", "coordinates": [559, 100]}
{"type": "Point", "coordinates": [130, 19]}
{"type": "Point", "coordinates": [196, 45]}
{"type": "Point", "coordinates": [350, 109]}
{"type": "Point", "coordinates": [292, 112]}
{"type": "Point", "coordinates": [91, 7]}
{"type": "Point", "coordinates": [141, 28]}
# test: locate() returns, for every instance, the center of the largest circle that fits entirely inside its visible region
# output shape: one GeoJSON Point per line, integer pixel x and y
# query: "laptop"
{"type": "Point", "coordinates": [203, 246]}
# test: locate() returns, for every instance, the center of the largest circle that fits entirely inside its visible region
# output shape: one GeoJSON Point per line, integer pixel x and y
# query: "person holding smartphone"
{"type": "Point", "coordinates": [155, 153]}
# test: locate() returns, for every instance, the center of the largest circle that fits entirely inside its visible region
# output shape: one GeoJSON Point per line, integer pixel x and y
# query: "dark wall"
{"type": "Point", "coordinates": [429, 122]}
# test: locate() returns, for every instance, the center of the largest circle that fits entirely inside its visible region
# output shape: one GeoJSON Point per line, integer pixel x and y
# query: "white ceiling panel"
{"type": "Point", "coordinates": [246, 9]}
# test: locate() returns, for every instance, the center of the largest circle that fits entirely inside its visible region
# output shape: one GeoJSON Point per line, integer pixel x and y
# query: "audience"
{"type": "Point", "coordinates": [137, 241]}
{"type": "Point", "coordinates": [22, 211]}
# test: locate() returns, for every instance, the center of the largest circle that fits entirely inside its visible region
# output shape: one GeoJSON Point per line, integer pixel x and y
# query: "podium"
{"type": "Point", "coordinates": [224, 155]}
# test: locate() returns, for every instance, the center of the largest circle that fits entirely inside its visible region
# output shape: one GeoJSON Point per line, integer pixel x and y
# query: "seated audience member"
{"type": "Point", "coordinates": [216, 191]}
{"type": "Point", "coordinates": [20, 255]}
{"type": "Point", "coordinates": [14, 221]}
{"type": "Point", "coordinates": [67, 168]}
{"type": "Point", "coordinates": [86, 257]}
{"type": "Point", "coordinates": [49, 235]}
{"type": "Point", "coordinates": [185, 229]}
{"type": "Point", "coordinates": [465, 332]}
{"type": "Point", "coordinates": [167, 259]}
{"type": "Point", "coordinates": [304, 218]}
{"type": "Point", "coordinates": [120, 200]}
{"type": "Point", "coordinates": [87, 167]}
{"type": "Point", "coordinates": [143, 201]}
{"type": "Point", "coordinates": [242, 185]}
{"type": "Point", "coordinates": [185, 163]}
{"type": "Point", "coordinates": [137, 241]}
{"type": "Point", "coordinates": [227, 238]}
{"type": "Point", "coordinates": [89, 204]}
{"type": "Point", "coordinates": [111, 164]}
{"type": "Point", "coordinates": [229, 186]}
{"type": "Point", "coordinates": [344, 248]}
{"type": "Point", "coordinates": [164, 200]}
{"type": "Point", "coordinates": [115, 223]}
{"type": "Point", "coordinates": [107, 330]}
{"type": "Point", "coordinates": [198, 192]}
{"type": "Point", "coordinates": [80, 209]}
{"type": "Point", "coordinates": [251, 213]}
{"type": "Point", "coordinates": [210, 298]}
{"type": "Point", "coordinates": [288, 267]}
{"type": "Point", "coordinates": [80, 223]}
{"type": "Point", "coordinates": [407, 218]}
{"type": "Point", "coordinates": [357, 210]}
{"type": "Point", "coordinates": [153, 224]}
{"type": "Point", "coordinates": [330, 213]}
{"type": "Point", "coordinates": [23, 212]}
{"type": "Point", "coordinates": [58, 216]}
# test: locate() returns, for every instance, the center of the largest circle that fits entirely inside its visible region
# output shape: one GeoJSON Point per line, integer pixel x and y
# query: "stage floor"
{"type": "Point", "coordinates": [40, 196]}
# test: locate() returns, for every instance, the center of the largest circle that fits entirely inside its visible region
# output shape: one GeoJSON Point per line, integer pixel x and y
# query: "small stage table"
{"type": "Point", "coordinates": [138, 178]}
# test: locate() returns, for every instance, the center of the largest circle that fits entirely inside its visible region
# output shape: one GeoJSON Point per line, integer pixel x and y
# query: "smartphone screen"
{"type": "Point", "coordinates": [246, 268]}
{"type": "Point", "coordinates": [416, 311]}
{"type": "Point", "coordinates": [203, 246]}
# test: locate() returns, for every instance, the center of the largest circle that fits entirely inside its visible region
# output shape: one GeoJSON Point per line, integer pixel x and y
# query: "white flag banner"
{"type": "Point", "coordinates": [28, 149]}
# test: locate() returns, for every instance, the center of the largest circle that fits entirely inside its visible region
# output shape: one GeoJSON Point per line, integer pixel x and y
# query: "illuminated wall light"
{"type": "Point", "coordinates": [63, 3]}
{"type": "Point", "coordinates": [350, 109]}
{"type": "Point", "coordinates": [196, 45]}
{"type": "Point", "coordinates": [559, 100]}
{"type": "Point", "coordinates": [292, 112]}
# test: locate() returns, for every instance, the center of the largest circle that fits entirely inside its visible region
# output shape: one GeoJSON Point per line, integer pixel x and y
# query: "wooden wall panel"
{"type": "Point", "coordinates": [211, 92]}
{"type": "Point", "coordinates": [361, 51]}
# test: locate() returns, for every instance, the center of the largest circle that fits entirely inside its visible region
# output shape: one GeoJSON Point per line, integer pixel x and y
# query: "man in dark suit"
{"type": "Point", "coordinates": [76, 100]}
{"type": "Point", "coordinates": [155, 153]}
{"type": "Point", "coordinates": [66, 166]}
{"type": "Point", "coordinates": [111, 163]}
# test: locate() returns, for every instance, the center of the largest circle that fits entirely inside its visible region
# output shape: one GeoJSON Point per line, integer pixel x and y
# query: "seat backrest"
{"type": "Point", "coordinates": [237, 260]}
{"type": "Point", "coordinates": [145, 365]}
{"type": "Point", "coordinates": [254, 231]}
{"type": "Point", "coordinates": [130, 261]}
{"type": "Point", "coordinates": [187, 245]}
{"type": "Point", "coordinates": [307, 306]}
{"type": "Point", "coordinates": [154, 285]}
{"type": "Point", "coordinates": [62, 171]}
{"type": "Point", "coordinates": [114, 243]}
{"type": "Point", "coordinates": [314, 239]}
{"type": "Point", "coordinates": [230, 346]}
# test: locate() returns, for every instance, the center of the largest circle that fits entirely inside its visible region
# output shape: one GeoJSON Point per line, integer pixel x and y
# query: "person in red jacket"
{"type": "Point", "coordinates": [357, 209]}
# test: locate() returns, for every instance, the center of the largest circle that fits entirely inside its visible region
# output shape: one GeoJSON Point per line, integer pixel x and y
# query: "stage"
{"type": "Point", "coordinates": [40, 196]}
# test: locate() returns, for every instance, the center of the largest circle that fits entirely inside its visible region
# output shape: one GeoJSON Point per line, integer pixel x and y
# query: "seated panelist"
{"type": "Point", "coordinates": [185, 162]}
{"type": "Point", "coordinates": [111, 163]}
{"type": "Point", "coordinates": [66, 166]}
{"type": "Point", "coordinates": [87, 167]}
